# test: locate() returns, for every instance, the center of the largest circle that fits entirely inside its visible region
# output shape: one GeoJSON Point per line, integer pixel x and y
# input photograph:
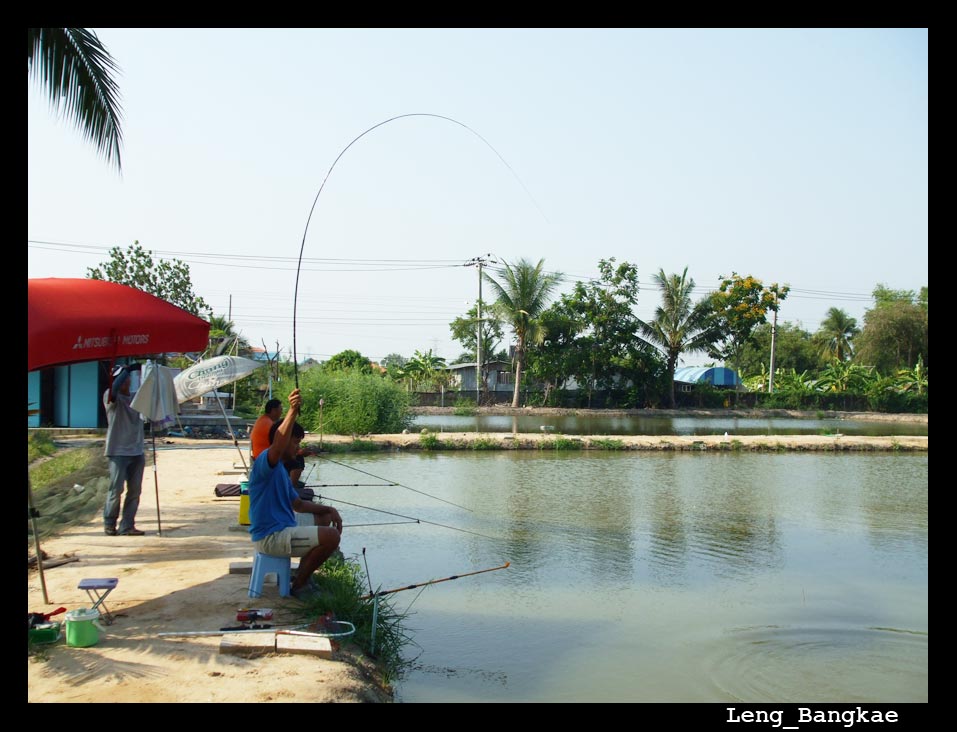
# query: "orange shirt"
{"type": "Point", "coordinates": [259, 435]}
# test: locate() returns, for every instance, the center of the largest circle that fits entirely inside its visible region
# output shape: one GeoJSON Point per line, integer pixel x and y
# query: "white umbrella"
{"type": "Point", "coordinates": [156, 401]}
{"type": "Point", "coordinates": [209, 375]}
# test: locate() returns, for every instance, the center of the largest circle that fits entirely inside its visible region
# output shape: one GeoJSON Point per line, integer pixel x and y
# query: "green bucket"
{"type": "Point", "coordinates": [81, 628]}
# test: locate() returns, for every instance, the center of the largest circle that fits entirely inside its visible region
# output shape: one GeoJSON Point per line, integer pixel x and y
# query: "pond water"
{"type": "Point", "coordinates": [665, 425]}
{"type": "Point", "coordinates": [638, 577]}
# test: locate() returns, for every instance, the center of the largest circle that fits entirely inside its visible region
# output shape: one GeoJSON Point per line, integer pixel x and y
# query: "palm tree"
{"type": "Point", "coordinates": [678, 326]}
{"type": "Point", "coordinates": [523, 296]}
{"type": "Point", "coordinates": [77, 72]}
{"type": "Point", "coordinates": [223, 336]}
{"type": "Point", "coordinates": [836, 331]}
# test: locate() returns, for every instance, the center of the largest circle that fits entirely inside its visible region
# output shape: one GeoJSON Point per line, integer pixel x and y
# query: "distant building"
{"type": "Point", "coordinates": [687, 376]}
{"type": "Point", "coordinates": [500, 376]}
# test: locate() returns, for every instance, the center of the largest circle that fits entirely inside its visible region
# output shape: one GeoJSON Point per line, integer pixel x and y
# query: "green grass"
{"type": "Point", "coordinates": [464, 408]}
{"type": "Point", "coordinates": [39, 445]}
{"type": "Point", "coordinates": [485, 443]}
{"type": "Point", "coordinates": [52, 482]}
{"type": "Point", "coordinates": [356, 445]}
{"type": "Point", "coordinates": [342, 585]}
{"type": "Point", "coordinates": [561, 443]}
{"type": "Point", "coordinates": [429, 441]}
{"type": "Point", "coordinates": [607, 444]}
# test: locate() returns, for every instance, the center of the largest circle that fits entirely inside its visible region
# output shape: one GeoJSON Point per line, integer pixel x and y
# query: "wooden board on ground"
{"type": "Point", "coordinates": [310, 646]}
{"type": "Point", "coordinates": [248, 644]}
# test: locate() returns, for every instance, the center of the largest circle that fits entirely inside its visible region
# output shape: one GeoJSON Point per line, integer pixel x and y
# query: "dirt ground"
{"type": "Point", "coordinates": [177, 581]}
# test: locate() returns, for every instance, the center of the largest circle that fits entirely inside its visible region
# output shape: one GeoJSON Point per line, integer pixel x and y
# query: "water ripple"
{"type": "Point", "coordinates": [820, 664]}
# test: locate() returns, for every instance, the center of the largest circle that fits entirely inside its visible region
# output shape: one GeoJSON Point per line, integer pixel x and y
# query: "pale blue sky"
{"type": "Point", "coordinates": [797, 156]}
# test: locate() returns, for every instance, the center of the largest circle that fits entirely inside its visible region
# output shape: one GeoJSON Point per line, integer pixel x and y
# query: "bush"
{"type": "Point", "coordinates": [464, 407]}
{"type": "Point", "coordinates": [354, 403]}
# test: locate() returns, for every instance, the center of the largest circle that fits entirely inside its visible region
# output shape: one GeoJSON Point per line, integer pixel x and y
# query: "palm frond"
{"type": "Point", "coordinates": [77, 73]}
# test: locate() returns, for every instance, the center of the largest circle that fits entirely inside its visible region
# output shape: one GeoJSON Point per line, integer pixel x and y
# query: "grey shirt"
{"type": "Point", "coordinates": [124, 432]}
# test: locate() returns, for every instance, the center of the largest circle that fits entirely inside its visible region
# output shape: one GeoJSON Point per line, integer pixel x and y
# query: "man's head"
{"type": "Point", "coordinates": [121, 380]}
{"type": "Point", "coordinates": [273, 409]}
{"type": "Point", "coordinates": [297, 434]}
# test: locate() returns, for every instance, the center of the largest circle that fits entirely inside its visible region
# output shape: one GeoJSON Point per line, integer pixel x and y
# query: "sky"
{"type": "Point", "coordinates": [798, 156]}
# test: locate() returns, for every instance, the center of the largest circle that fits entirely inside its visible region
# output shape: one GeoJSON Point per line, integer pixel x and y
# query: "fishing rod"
{"type": "Point", "coordinates": [432, 582]}
{"type": "Point", "coordinates": [412, 518]}
{"type": "Point", "coordinates": [378, 477]}
{"type": "Point", "coordinates": [295, 297]}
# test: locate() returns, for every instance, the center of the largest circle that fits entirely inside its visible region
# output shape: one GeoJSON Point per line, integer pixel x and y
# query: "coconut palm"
{"type": "Point", "coordinates": [836, 331]}
{"type": "Point", "coordinates": [678, 325]}
{"type": "Point", "coordinates": [523, 296]}
{"type": "Point", "coordinates": [77, 73]}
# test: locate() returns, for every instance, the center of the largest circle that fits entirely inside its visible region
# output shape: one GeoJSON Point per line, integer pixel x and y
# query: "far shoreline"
{"type": "Point", "coordinates": [508, 411]}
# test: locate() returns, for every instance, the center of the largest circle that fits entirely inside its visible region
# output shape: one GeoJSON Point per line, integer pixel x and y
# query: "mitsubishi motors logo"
{"type": "Point", "coordinates": [132, 339]}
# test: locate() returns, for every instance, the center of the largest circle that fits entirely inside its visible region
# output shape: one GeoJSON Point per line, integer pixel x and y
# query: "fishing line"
{"type": "Point", "coordinates": [350, 485]}
{"type": "Point", "coordinates": [295, 297]}
{"type": "Point", "coordinates": [412, 518]}
{"type": "Point", "coordinates": [378, 477]}
{"type": "Point", "coordinates": [384, 523]}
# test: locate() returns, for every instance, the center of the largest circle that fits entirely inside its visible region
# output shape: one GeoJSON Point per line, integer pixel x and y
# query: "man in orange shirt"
{"type": "Point", "coordinates": [259, 435]}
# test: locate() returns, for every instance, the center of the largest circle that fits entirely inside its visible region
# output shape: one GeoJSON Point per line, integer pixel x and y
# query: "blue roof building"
{"type": "Point", "coordinates": [714, 375]}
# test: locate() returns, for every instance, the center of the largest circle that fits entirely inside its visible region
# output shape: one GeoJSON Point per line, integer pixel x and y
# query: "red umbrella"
{"type": "Point", "coordinates": [75, 320]}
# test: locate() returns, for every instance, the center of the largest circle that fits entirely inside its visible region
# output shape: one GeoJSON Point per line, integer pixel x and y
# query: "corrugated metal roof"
{"type": "Point", "coordinates": [716, 375]}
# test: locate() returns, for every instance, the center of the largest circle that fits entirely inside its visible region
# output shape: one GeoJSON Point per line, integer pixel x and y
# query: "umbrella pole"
{"type": "Point", "coordinates": [230, 428]}
{"type": "Point", "coordinates": [36, 540]}
{"type": "Point", "coordinates": [159, 526]}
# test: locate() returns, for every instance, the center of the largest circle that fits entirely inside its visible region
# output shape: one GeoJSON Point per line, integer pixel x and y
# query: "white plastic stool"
{"type": "Point", "coordinates": [264, 564]}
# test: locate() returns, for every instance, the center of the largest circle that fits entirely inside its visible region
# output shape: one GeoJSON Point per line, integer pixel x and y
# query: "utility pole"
{"type": "Point", "coordinates": [774, 327]}
{"type": "Point", "coordinates": [478, 262]}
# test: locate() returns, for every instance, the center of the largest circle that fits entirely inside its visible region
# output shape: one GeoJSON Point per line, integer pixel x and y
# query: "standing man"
{"type": "Point", "coordinates": [259, 435]}
{"type": "Point", "coordinates": [274, 502]}
{"type": "Point", "coordinates": [124, 450]}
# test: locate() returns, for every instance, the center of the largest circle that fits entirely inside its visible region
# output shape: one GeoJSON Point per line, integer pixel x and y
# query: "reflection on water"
{"type": "Point", "coordinates": [654, 577]}
{"type": "Point", "coordinates": [665, 425]}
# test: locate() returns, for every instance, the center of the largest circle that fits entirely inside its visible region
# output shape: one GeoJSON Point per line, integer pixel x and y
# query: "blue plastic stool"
{"type": "Point", "coordinates": [264, 564]}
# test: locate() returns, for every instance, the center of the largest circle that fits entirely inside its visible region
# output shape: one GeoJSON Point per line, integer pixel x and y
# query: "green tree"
{"type": "Point", "coordinates": [895, 331]}
{"type": "Point", "coordinates": [841, 376]}
{"type": "Point", "coordinates": [465, 331]}
{"type": "Point", "coordinates": [223, 337]}
{"type": "Point", "coordinates": [348, 360]}
{"type": "Point", "coordinates": [740, 305]}
{"type": "Point", "coordinates": [523, 295]}
{"type": "Point", "coordinates": [836, 333]}
{"type": "Point", "coordinates": [425, 371]}
{"type": "Point", "coordinates": [794, 348]}
{"type": "Point", "coordinates": [167, 279]}
{"type": "Point", "coordinates": [679, 325]}
{"type": "Point", "coordinates": [77, 73]}
{"type": "Point", "coordinates": [606, 342]}
{"type": "Point", "coordinates": [393, 359]}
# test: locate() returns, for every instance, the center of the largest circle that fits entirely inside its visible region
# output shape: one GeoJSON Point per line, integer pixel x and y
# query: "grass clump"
{"type": "Point", "coordinates": [485, 443]}
{"type": "Point", "coordinates": [39, 444]}
{"type": "Point", "coordinates": [464, 408]}
{"type": "Point", "coordinates": [560, 443]}
{"type": "Point", "coordinates": [607, 444]}
{"type": "Point", "coordinates": [430, 441]}
{"type": "Point", "coordinates": [342, 588]}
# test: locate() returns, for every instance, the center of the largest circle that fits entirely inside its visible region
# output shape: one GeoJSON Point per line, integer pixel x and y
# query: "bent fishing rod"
{"type": "Point", "coordinates": [432, 582]}
{"type": "Point", "coordinates": [295, 297]}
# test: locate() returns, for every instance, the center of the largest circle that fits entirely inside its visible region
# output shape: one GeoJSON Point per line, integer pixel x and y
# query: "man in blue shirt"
{"type": "Point", "coordinates": [273, 503]}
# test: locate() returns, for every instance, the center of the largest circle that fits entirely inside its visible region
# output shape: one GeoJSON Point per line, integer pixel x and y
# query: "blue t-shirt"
{"type": "Point", "coordinates": [271, 494]}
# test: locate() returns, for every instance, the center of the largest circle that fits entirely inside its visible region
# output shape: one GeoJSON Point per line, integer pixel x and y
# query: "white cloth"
{"type": "Point", "coordinates": [156, 397]}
